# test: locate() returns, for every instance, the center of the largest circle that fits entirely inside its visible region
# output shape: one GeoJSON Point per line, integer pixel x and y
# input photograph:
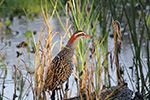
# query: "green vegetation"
{"type": "Point", "coordinates": [97, 18]}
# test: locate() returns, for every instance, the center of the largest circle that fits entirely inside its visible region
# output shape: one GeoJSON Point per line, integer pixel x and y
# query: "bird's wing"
{"type": "Point", "coordinates": [58, 73]}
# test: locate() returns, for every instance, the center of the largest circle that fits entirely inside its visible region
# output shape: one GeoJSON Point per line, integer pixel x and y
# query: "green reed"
{"type": "Point", "coordinates": [101, 9]}
{"type": "Point", "coordinates": [137, 42]}
{"type": "Point", "coordinates": [3, 75]}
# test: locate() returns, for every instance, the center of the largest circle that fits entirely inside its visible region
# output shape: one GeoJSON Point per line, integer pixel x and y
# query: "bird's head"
{"type": "Point", "coordinates": [76, 36]}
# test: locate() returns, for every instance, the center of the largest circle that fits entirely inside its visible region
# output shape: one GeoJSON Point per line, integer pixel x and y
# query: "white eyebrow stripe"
{"type": "Point", "coordinates": [78, 33]}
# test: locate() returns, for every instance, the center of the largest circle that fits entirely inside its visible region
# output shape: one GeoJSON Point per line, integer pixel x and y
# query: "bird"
{"type": "Point", "coordinates": [61, 66]}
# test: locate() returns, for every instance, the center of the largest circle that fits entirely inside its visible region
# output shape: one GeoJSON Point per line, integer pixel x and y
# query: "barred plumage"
{"type": "Point", "coordinates": [60, 69]}
{"type": "Point", "coordinates": [62, 65]}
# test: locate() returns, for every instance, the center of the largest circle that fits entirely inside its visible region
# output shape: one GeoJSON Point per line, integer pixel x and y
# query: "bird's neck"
{"type": "Point", "coordinates": [73, 44]}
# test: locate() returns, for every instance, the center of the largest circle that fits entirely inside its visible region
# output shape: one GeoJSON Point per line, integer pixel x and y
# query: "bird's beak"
{"type": "Point", "coordinates": [87, 35]}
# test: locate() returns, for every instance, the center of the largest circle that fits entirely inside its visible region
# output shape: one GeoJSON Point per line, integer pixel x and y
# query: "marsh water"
{"type": "Point", "coordinates": [9, 51]}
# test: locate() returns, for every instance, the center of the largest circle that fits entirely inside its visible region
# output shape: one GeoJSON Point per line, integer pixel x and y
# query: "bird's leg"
{"type": "Point", "coordinates": [76, 80]}
{"type": "Point", "coordinates": [60, 94]}
{"type": "Point", "coordinates": [53, 95]}
{"type": "Point", "coordinates": [66, 89]}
